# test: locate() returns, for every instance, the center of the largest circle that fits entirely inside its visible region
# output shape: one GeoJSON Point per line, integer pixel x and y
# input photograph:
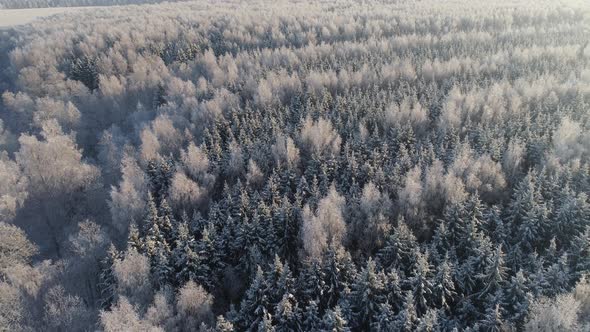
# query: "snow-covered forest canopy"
{"type": "Point", "coordinates": [311, 166]}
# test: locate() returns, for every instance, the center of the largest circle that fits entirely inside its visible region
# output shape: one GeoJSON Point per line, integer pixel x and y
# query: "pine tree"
{"type": "Point", "coordinates": [531, 228]}
{"type": "Point", "coordinates": [191, 267]}
{"type": "Point", "coordinates": [287, 224]}
{"type": "Point", "coordinates": [197, 223]}
{"type": "Point", "coordinates": [265, 232]}
{"type": "Point", "coordinates": [478, 251]}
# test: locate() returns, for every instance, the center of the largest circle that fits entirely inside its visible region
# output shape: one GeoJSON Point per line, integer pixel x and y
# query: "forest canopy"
{"type": "Point", "coordinates": [309, 166]}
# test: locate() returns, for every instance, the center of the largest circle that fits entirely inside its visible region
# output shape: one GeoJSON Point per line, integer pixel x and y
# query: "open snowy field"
{"type": "Point", "coordinates": [12, 17]}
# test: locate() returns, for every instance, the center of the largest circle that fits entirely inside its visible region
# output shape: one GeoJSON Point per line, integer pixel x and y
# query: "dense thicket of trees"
{"type": "Point", "coordinates": [312, 167]}
{"type": "Point", "coordinates": [20, 4]}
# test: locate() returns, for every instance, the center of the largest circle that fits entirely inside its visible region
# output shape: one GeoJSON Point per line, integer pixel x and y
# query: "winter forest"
{"type": "Point", "coordinates": [335, 165]}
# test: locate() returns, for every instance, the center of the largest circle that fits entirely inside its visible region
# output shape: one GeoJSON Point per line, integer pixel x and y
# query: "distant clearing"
{"type": "Point", "coordinates": [12, 17]}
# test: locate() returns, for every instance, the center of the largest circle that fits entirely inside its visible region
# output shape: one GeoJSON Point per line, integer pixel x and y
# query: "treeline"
{"type": "Point", "coordinates": [325, 167]}
{"type": "Point", "coordinates": [21, 4]}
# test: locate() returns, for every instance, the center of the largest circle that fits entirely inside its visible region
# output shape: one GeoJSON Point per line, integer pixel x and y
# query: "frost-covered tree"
{"type": "Point", "coordinates": [194, 306]}
{"type": "Point", "coordinates": [61, 185]}
{"type": "Point", "coordinates": [326, 227]}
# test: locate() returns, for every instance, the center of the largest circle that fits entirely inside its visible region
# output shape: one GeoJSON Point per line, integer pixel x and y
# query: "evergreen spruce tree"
{"type": "Point", "coordinates": [265, 231]}
{"type": "Point", "coordinates": [159, 97]}
{"type": "Point", "coordinates": [557, 277]}
{"type": "Point", "coordinates": [191, 267]}
{"type": "Point", "coordinates": [223, 325]}
{"type": "Point", "coordinates": [265, 324]}
{"type": "Point", "coordinates": [385, 318]}
{"type": "Point", "coordinates": [495, 226]}
{"type": "Point", "coordinates": [580, 253]}
{"type": "Point", "coordinates": [440, 245]}
{"type": "Point", "coordinates": [407, 318]}
{"type": "Point", "coordinates": [400, 248]}
{"type": "Point", "coordinates": [310, 282]}
{"type": "Point", "coordinates": [493, 321]}
{"type": "Point", "coordinates": [211, 255]}
{"type": "Point", "coordinates": [279, 282]}
{"type": "Point", "coordinates": [287, 315]}
{"type": "Point", "coordinates": [197, 223]}
{"type": "Point", "coordinates": [334, 321]}
{"type": "Point", "coordinates": [367, 294]}
{"type": "Point", "coordinates": [517, 299]}
{"type": "Point", "coordinates": [167, 221]}
{"type": "Point", "coordinates": [495, 273]}
{"type": "Point", "coordinates": [430, 321]}
{"type": "Point", "coordinates": [444, 285]}
{"type": "Point", "coordinates": [134, 239]}
{"type": "Point", "coordinates": [311, 317]}
{"type": "Point", "coordinates": [338, 272]}
{"type": "Point", "coordinates": [572, 215]}
{"type": "Point", "coordinates": [160, 174]}
{"type": "Point", "coordinates": [421, 283]}
{"type": "Point", "coordinates": [393, 289]}
{"type": "Point", "coordinates": [287, 224]}
{"type": "Point", "coordinates": [527, 212]}
{"type": "Point", "coordinates": [253, 309]}
{"type": "Point", "coordinates": [108, 281]}
{"type": "Point", "coordinates": [84, 69]}
{"type": "Point", "coordinates": [456, 226]}
{"type": "Point", "coordinates": [161, 266]}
